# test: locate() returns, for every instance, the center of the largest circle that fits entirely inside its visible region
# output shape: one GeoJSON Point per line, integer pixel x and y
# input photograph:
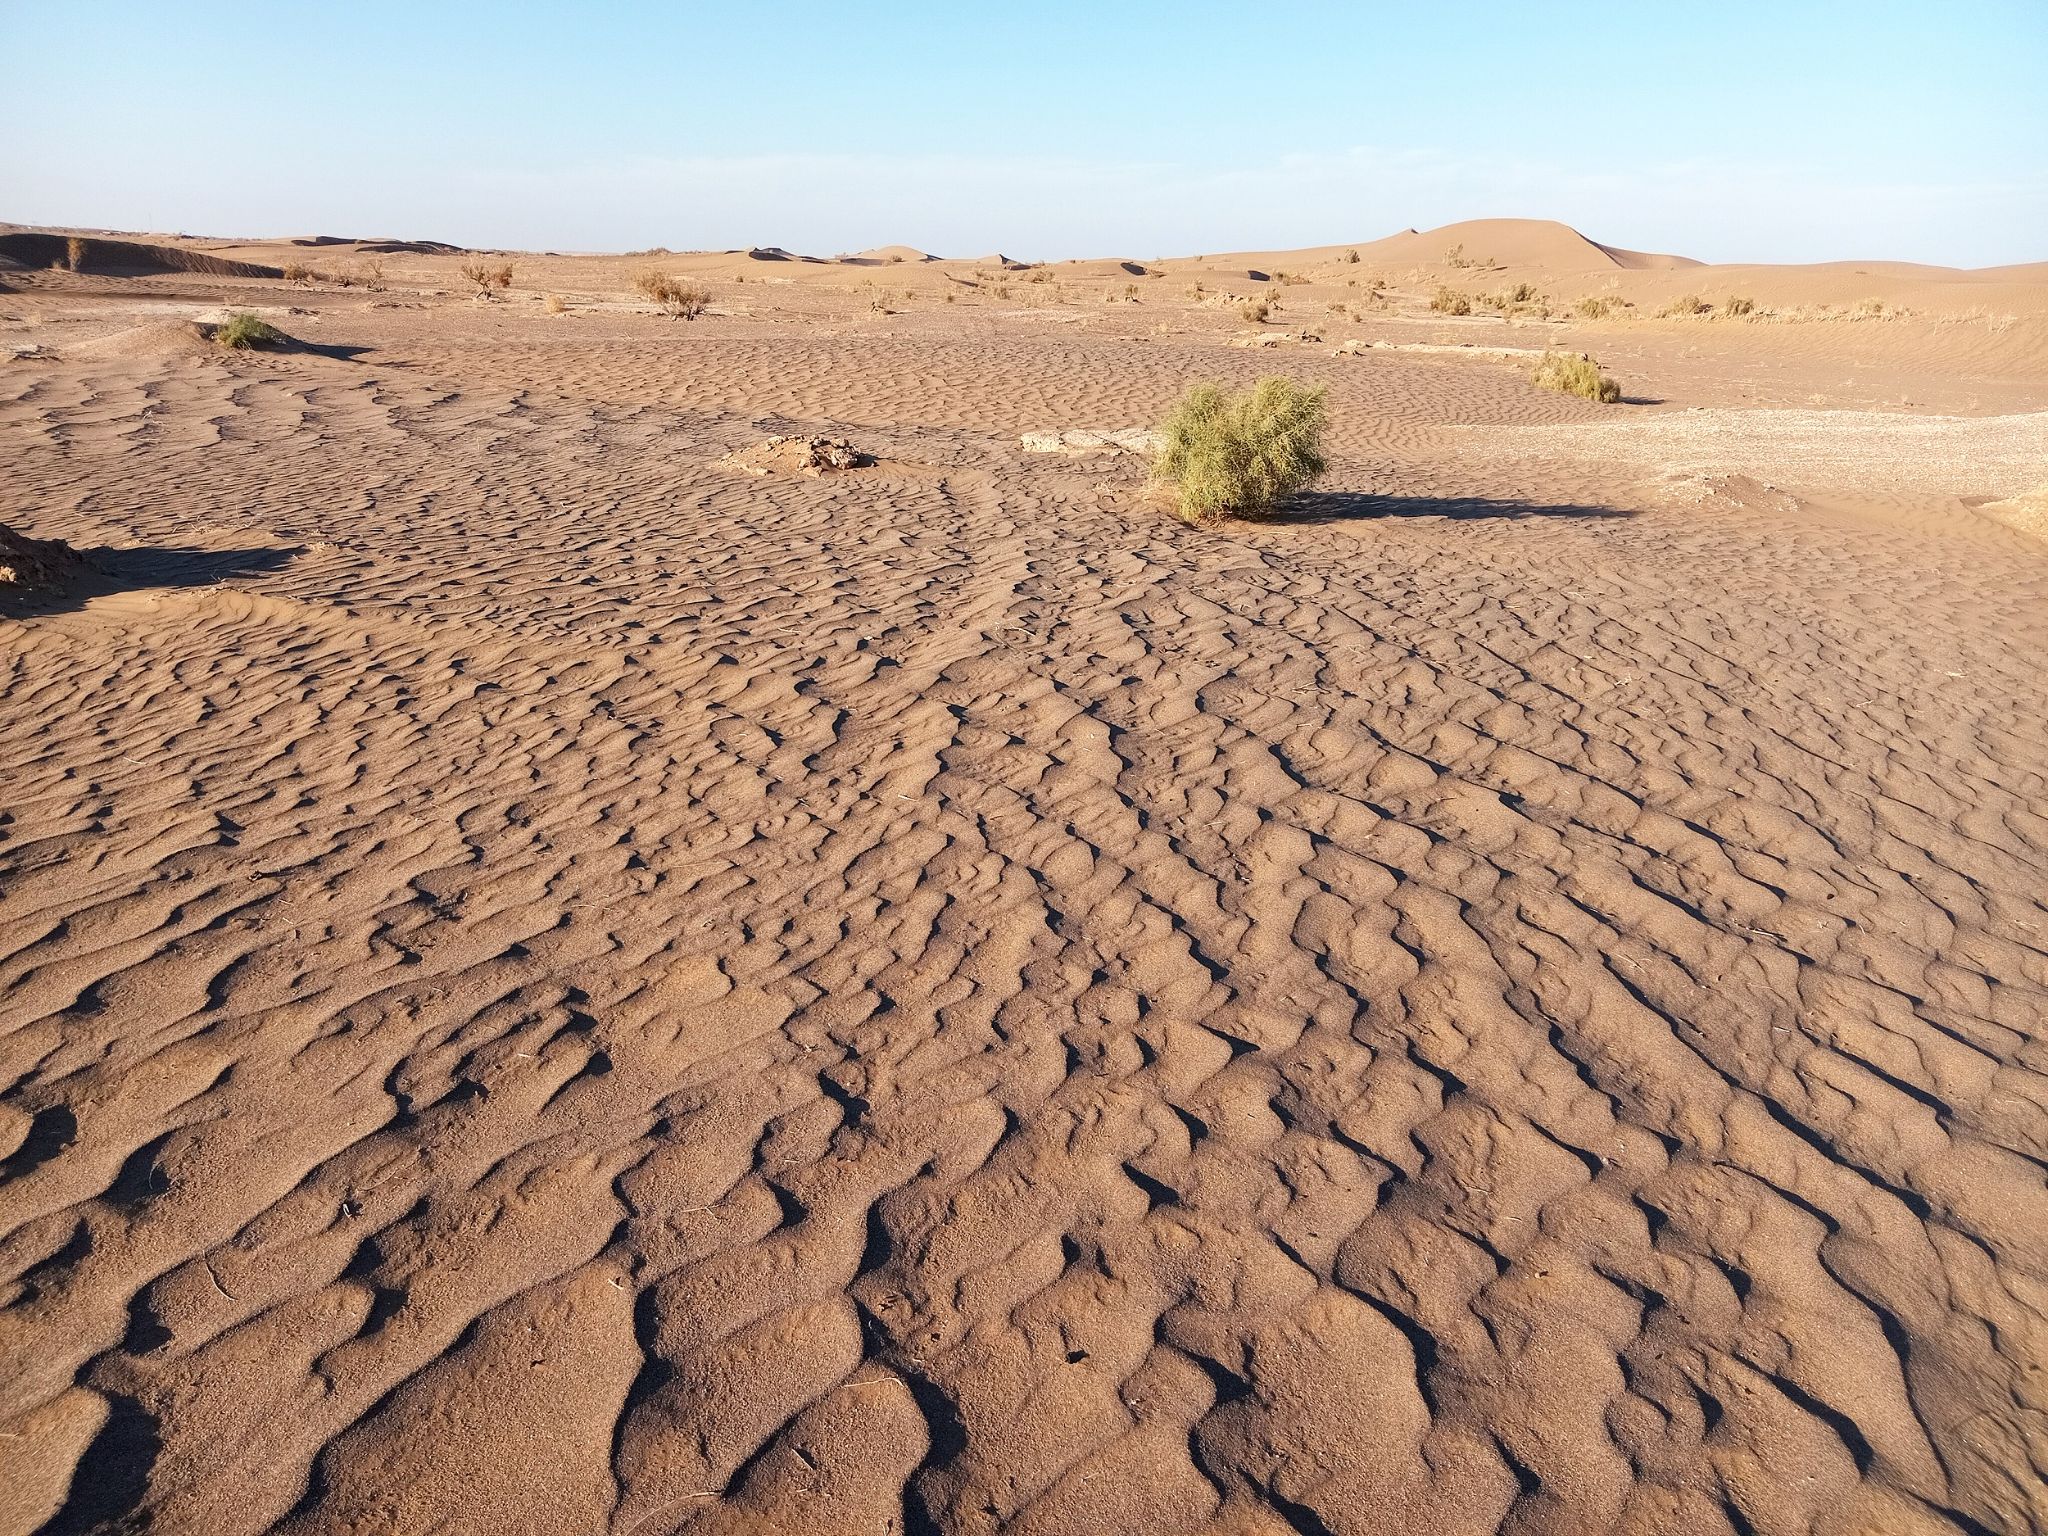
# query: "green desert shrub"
{"type": "Point", "coordinates": [1243, 453]}
{"type": "Point", "coordinates": [1449, 301]}
{"type": "Point", "coordinates": [243, 329]}
{"type": "Point", "coordinates": [1574, 373]}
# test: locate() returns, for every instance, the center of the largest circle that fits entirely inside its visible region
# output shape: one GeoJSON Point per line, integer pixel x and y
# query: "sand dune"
{"type": "Point", "coordinates": [547, 985]}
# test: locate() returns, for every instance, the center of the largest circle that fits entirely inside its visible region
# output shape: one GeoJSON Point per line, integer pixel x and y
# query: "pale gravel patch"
{"type": "Point", "coordinates": [1878, 451]}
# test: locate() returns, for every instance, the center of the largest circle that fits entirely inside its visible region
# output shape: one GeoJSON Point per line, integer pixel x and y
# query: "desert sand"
{"type": "Point", "coordinates": [556, 980]}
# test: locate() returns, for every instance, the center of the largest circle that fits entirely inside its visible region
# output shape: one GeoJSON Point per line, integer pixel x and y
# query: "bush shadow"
{"type": "Point", "coordinates": [1312, 507]}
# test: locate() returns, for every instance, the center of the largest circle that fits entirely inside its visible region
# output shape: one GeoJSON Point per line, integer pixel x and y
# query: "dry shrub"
{"type": "Point", "coordinates": [1258, 311]}
{"type": "Point", "coordinates": [1449, 301]}
{"type": "Point", "coordinates": [487, 275]}
{"type": "Point", "coordinates": [1351, 258]}
{"type": "Point", "coordinates": [678, 300]}
{"type": "Point", "coordinates": [297, 272]}
{"type": "Point", "coordinates": [1684, 305]}
{"type": "Point", "coordinates": [74, 253]}
{"type": "Point", "coordinates": [556, 304]}
{"type": "Point", "coordinates": [1739, 306]}
{"type": "Point", "coordinates": [1574, 373]}
{"type": "Point", "coordinates": [1243, 453]}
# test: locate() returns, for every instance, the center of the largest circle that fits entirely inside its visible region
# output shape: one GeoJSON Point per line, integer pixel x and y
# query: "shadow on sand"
{"type": "Point", "coordinates": [1349, 506]}
{"type": "Point", "coordinates": [108, 570]}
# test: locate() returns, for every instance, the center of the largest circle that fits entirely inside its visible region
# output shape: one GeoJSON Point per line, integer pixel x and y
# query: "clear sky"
{"type": "Point", "coordinates": [1800, 130]}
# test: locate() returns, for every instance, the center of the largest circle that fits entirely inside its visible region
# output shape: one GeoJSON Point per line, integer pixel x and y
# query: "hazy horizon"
{"type": "Point", "coordinates": [1835, 132]}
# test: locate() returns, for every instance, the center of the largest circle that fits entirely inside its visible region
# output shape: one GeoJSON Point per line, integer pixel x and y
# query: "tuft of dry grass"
{"type": "Point", "coordinates": [74, 253]}
{"type": "Point", "coordinates": [1241, 454]}
{"type": "Point", "coordinates": [556, 304]}
{"type": "Point", "coordinates": [678, 300]}
{"type": "Point", "coordinates": [1257, 311]}
{"type": "Point", "coordinates": [297, 272]}
{"type": "Point", "coordinates": [1450, 301]}
{"type": "Point", "coordinates": [1574, 373]}
{"type": "Point", "coordinates": [1685, 305]}
{"type": "Point", "coordinates": [1738, 306]}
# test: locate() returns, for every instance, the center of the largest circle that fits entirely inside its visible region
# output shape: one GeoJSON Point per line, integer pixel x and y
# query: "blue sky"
{"type": "Point", "coordinates": [1803, 130]}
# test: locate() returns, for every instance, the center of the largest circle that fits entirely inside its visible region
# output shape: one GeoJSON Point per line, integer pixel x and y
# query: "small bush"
{"type": "Point", "coordinates": [1682, 306]}
{"type": "Point", "coordinates": [1449, 301]}
{"type": "Point", "coordinates": [1574, 373]}
{"type": "Point", "coordinates": [1351, 258]}
{"type": "Point", "coordinates": [297, 272]}
{"type": "Point", "coordinates": [1243, 454]}
{"type": "Point", "coordinates": [678, 300]}
{"type": "Point", "coordinates": [242, 329]}
{"type": "Point", "coordinates": [556, 304]}
{"type": "Point", "coordinates": [74, 253]}
{"type": "Point", "coordinates": [1258, 311]}
{"type": "Point", "coordinates": [1739, 306]}
{"type": "Point", "coordinates": [487, 275]}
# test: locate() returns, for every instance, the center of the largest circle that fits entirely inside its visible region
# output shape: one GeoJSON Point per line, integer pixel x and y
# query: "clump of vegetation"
{"type": "Point", "coordinates": [678, 300]}
{"type": "Point", "coordinates": [1241, 453]}
{"type": "Point", "coordinates": [242, 330]}
{"type": "Point", "coordinates": [1520, 299]}
{"type": "Point", "coordinates": [1258, 311]}
{"type": "Point", "coordinates": [1739, 306]}
{"type": "Point", "coordinates": [74, 253]}
{"type": "Point", "coordinates": [487, 275]}
{"type": "Point", "coordinates": [1869, 309]}
{"type": "Point", "coordinates": [1685, 304]}
{"type": "Point", "coordinates": [556, 304]}
{"type": "Point", "coordinates": [1456, 257]}
{"type": "Point", "coordinates": [1449, 301]}
{"type": "Point", "coordinates": [1351, 258]}
{"type": "Point", "coordinates": [1574, 373]}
